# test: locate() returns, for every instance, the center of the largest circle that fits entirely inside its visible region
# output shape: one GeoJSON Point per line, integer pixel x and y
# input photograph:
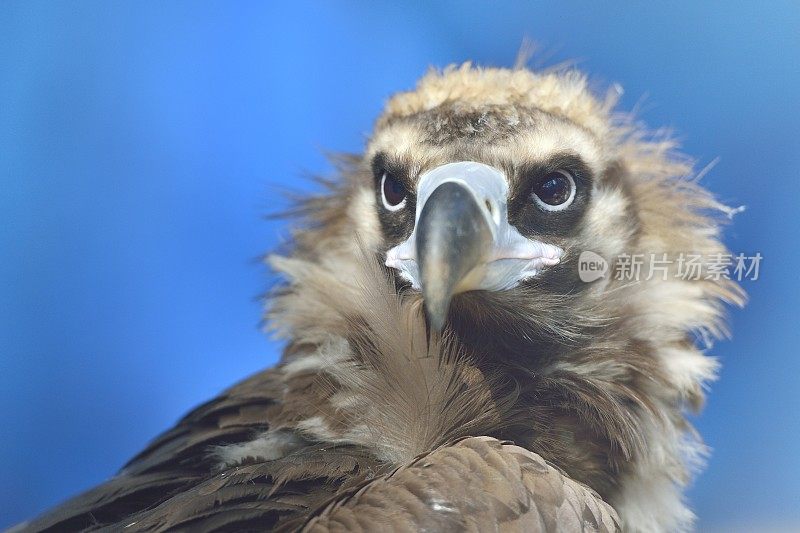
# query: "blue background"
{"type": "Point", "coordinates": [141, 143]}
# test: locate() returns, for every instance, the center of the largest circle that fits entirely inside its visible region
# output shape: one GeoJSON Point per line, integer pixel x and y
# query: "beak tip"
{"type": "Point", "coordinates": [437, 314]}
{"type": "Point", "coordinates": [437, 323]}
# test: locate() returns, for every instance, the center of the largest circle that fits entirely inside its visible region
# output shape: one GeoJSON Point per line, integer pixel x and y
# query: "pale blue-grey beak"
{"type": "Point", "coordinates": [453, 239]}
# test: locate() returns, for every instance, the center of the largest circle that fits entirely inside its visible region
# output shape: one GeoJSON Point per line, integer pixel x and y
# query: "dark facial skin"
{"type": "Point", "coordinates": [396, 225]}
{"type": "Point", "coordinates": [534, 222]}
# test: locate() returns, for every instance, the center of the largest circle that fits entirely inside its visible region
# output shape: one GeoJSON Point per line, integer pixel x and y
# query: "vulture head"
{"type": "Point", "coordinates": [496, 317]}
{"type": "Point", "coordinates": [437, 286]}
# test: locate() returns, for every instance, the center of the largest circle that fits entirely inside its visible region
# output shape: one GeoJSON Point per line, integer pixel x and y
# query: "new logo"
{"type": "Point", "coordinates": [591, 266]}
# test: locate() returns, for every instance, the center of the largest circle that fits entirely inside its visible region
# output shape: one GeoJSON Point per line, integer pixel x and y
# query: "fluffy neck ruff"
{"type": "Point", "coordinates": [363, 368]}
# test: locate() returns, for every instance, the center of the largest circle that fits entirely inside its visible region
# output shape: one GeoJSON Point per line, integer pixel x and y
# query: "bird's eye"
{"type": "Point", "coordinates": [555, 191]}
{"type": "Point", "coordinates": [392, 192]}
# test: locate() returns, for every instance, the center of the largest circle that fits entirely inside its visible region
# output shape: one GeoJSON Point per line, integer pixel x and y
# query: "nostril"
{"type": "Point", "coordinates": [493, 212]}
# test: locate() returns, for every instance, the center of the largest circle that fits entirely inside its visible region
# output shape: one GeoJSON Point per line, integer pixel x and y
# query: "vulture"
{"type": "Point", "coordinates": [447, 367]}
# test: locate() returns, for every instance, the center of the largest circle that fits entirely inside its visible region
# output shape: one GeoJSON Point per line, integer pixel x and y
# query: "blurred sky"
{"type": "Point", "coordinates": [140, 144]}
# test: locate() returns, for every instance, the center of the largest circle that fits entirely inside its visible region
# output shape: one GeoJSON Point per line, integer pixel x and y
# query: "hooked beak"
{"type": "Point", "coordinates": [463, 240]}
{"type": "Point", "coordinates": [454, 242]}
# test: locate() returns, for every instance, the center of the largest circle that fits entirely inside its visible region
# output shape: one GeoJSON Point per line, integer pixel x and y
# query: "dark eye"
{"type": "Point", "coordinates": [555, 191]}
{"type": "Point", "coordinates": [392, 192]}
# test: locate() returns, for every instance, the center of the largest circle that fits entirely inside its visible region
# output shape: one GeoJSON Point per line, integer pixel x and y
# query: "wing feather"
{"type": "Point", "coordinates": [475, 484]}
